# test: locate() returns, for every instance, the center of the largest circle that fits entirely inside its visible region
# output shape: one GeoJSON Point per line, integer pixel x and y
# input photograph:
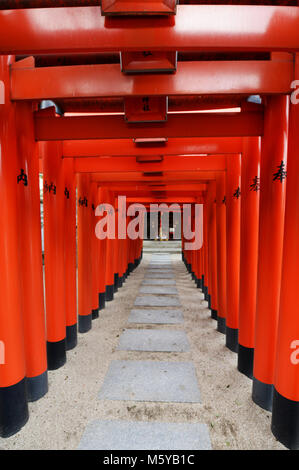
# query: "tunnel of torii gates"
{"type": "Point", "coordinates": [160, 103]}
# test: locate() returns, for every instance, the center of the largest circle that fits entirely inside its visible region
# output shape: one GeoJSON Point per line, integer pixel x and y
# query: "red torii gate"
{"type": "Point", "coordinates": [250, 29]}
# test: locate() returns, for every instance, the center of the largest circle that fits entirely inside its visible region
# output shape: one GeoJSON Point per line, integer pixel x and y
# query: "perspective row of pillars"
{"type": "Point", "coordinates": [248, 266]}
{"type": "Point", "coordinates": [38, 311]}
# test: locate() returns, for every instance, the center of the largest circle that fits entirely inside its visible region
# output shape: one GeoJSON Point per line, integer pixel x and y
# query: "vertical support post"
{"type": "Point", "coordinates": [221, 250]}
{"type": "Point", "coordinates": [102, 253]}
{"type": "Point", "coordinates": [115, 259]}
{"type": "Point", "coordinates": [13, 400]}
{"type": "Point", "coordinates": [213, 300]}
{"type": "Point", "coordinates": [285, 414]}
{"type": "Point", "coordinates": [31, 270]}
{"type": "Point", "coordinates": [271, 226]}
{"type": "Point", "coordinates": [250, 184]}
{"type": "Point", "coordinates": [233, 212]}
{"type": "Point", "coordinates": [94, 250]}
{"type": "Point", "coordinates": [206, 280]}
{"type": "Point", "coordinates": [84, 256]}
{"type": "Point", "coordinates": [54, 253]}
{"type": "Point", "coordinates": [110, 260]}
{"type": "Point", "coordinates": [70, 253]}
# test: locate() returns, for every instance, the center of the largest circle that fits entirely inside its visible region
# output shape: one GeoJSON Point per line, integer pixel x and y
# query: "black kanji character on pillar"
{"type": "Point", "coordinates": [52, 187]}
{"type": "Point", "coordinates": [281, 173]}
{"type": "Point", "coordinates": [67, 193]}
{"type": "Point", "coordinates": [22, 177]}
{"type": "Point", "coordinates": [237, 193]}
{"type": "Point", "coordinates": [83, 202]}
{"type": "Point", "coordinates": [146, 104]}
{"type": "Point", "coordinates": [46, 186]}
{"type": "Point", "coordinates": [93, 207]}
{"type": "Point", "coordinates": [255, 185]}
{"type": "Point", "coordinates": [224, 200]}
{"type": "Point", "coordinates": [146, 53]}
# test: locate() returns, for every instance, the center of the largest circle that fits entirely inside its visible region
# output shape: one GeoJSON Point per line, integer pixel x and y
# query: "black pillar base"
{"type": "Point", "coordinates": [56, 354]}
{"type": "Point", "coordinates": [85, 323]}
{"type": "Point", "coordinates": [232, 335]}
{"type": "Point", "coordinates": [221, 325]}
{"type": "Point", "coordinates": [136, 262]}
{"type": "Point", "coordinates": [214, 314]}
{"type": "Point", "coordinates": [115, 286]}
{"type": "Point", "coordinates": [14, 412]}
{"type": "Point", "coordinates": [37, 386]}
{"type": "Point", "coordinates": [102, 300]}
{"type": "Point", "coordinates": [109, 295]}
{"type": "Point", "coordinates": [120, 281]}
{"type": "Point", "coordinates": [71, 337]}
{"type": "Point", "coordinates": [209, 302]}
{"type": "Point", "coordinates": [206, 293]}
{"type": "Point", "coordinates": [285, 421]}
{"type": "Point", "coordinates": [262, 394]}
{"type": "Point", "coordinates": [199, 283]}
{"type": "Point", "coordinates": [130, 268]}
{"type": "Point", "coordinates": [245, 360]}
{"type": "Point", "coordinates": [95, 314]}
{"type": "Point", "coordinates": [192, 275]}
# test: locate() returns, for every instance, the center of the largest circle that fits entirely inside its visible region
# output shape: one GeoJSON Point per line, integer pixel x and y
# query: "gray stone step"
{"type": "Point", "coordinates": [153, 340]}
{"type": "Point", "coordinates": [132, 435]}
{"type": "Point", "coordinates": [157, 381]}
{"type": "Point", "coordinates": [160, 316]}
{"type": "Point", "coordinates": [158, 282]}
{"type": "Point", "coordinates": [157, 301]}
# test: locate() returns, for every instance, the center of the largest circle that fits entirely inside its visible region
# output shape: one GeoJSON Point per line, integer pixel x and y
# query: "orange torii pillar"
{"type": "Point", "coordinates": [54, 204]}
{"type": "Point", "coordinates": [102, 253]}
{"type": "Point", "coordinates": [131, 254]}
{"type": "Point", "coordinates": [271, 226]}
{"type": "Point", "coordinates": [206, 254]}
{"type": "Point", "coordinates": [250, 183]}
{"type": "Point", "coordinates": [13, 397]}
{"type": "Point", "coordinates": [85, 299]}
{"type": "Point", "coordinates": [233, 213]}
{"type": "Point", "coordinates": [70, 252]}
{"type": "Point", "coordinates": [212, 248]}
{"type": "Point", "coordinates": [285, 413]}
{"type": "Point", "coordinates": [94, 251]}
{"type": "Point", "coordinates": [110, 244]}
{"type": "Point", "coordinates": [221, 250]}
{"type": "Point", "coordinates": [192, 251]}
{"type": "Point", "coordinates": [116, 253]}
{"type": "Point", "coordinates": [199, 257]}
{"type": "Point", "coordinates": [31, 269]}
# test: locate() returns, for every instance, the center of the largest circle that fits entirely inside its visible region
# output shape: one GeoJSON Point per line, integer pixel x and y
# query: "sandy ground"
{"type": "Point", "coordinates": [58, 420]}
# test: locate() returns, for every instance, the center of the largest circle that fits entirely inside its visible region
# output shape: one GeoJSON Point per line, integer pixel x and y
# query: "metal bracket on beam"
{"type": "Point", "coordinates": [138, 7]}
{"type": "Point", "coordinates": [148, 62]}
{"type": "Point", "coordinates": [146, 109]}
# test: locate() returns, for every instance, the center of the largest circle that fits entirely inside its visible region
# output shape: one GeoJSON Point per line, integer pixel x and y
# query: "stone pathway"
{"type": "Point", "coordinates": [151, 381]}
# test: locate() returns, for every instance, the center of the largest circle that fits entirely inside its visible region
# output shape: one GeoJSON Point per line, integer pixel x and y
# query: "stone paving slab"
{"type": "Point", "coordinates": [132, 435]}
{"type": "Point", "coordinates": [168, 290]}
{"type": "Point", "coordinates": [159, 316]}
{"type": "Point", "coordinates": [159, 275]}
{"type": "Point", "coordinates": [157, 381]}
{"type": "Point", "coordinates": [154, 340]}
{"type": "Point", "coordinates": [160, 265]}
{"type": "Point", "coordinates": [156, 301]}
{"type": "Point", "coordinates": [158, 282]}
{"type": "Point", "coordinates": [159, 271]}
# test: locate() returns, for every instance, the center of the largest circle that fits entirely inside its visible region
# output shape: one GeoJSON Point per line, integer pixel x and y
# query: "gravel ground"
{"type": "Point", "coordinates": [58, 420]}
